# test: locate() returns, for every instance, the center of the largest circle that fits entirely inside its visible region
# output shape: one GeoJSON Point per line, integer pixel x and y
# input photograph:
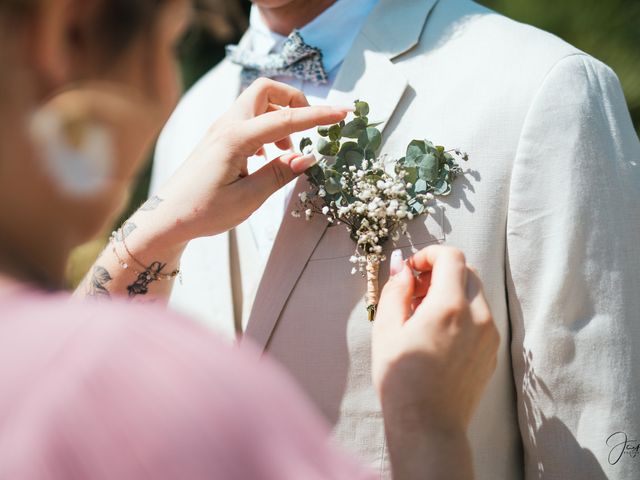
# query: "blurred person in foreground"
{"type": "Point", "coordinates": [549, 214]}
{"type": "Point", "coordinates": [97, 390]}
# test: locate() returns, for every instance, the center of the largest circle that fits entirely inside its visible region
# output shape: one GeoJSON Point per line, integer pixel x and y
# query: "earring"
{"type": "Point", "coordinates": [76, 153]}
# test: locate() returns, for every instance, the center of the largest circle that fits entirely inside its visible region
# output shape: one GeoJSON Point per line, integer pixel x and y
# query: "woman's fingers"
{"type": "Point", "coordinates": [274, 126]}
{"type": "Point", "coordinates": [394, 307]}
{"type": "Point", "coordinates": [284, 144]}
{"type": "Point", "coordinates": [448, 271]}
{"type": "Point", "coordinates": [276, 174]}
{"type": "Point", "coordinates": [263, 93]}
{"type": "Point", "coordinates": [423, 282]}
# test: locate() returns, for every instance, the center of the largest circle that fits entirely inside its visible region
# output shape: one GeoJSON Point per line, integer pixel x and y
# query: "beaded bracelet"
{"type": "Point", "coordinates": [156, 274]}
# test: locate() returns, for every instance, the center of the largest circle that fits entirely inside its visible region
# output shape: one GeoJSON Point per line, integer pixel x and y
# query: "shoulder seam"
{"type": "Point", "coordinates": [537, 93]}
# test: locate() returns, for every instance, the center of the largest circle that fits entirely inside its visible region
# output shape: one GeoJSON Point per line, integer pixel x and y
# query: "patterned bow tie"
{"type": "Point", "coordinates": [297, 59]}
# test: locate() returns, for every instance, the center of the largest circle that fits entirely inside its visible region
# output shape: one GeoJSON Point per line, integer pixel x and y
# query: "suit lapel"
{"type": "Point", "coordinates": [294, 245]}
{"type": "Point", "coordinates": [369, 73]}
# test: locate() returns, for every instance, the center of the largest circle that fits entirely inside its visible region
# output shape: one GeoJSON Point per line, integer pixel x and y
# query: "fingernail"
{"type": "Point", "coordinates": [289, 157]}
{"type": "Point", "coordinates": [342, 108]}
{"type": "Point", "coordinates": [301, 164]}
{"type": "Point", "coordinates": [396, 263]}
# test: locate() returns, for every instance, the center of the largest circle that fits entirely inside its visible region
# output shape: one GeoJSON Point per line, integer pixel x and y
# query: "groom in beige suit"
{"type": "Point", "coordinates": [548, 211]}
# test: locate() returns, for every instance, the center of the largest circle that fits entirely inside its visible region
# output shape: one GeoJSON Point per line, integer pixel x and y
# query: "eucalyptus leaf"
{"type": "Point", "coordinates": [362, 108]}
{"type": "Point", "coordinates": [417, 207]}
{"type": "Point", "coordinates": [442, 188]}
{"type": "Point", "coordinates": [323, 131]}
{"type": "Point", "coordinates": [412, 174]}
{"type": "Point", "coordinates": [304, 143]}
{"type": "Point", "coordinates": [428, 167]}
{"type": "Point", "coordinates": [351, 154]}
{"type": "Point", "coordinates": [327, 148]}
{"type": "Point", "coordinates": [332, 185]}
{"type": "Point", "coordinates": [421, 186]}
{"type": "Point", "coordinates": [335, 132]}
{"type": "Point", "coordinates": [315, 175]}
{"type": "Point", "coordinates": [370, 140]}
{"type": "Point", "coordinates": [415, 150]}
{"type": "Point", "coordinates": [354, 128]}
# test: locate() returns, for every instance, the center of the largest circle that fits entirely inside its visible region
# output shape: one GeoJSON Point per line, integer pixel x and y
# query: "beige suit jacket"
{"type": "Point", "coordinates": [548, 212]}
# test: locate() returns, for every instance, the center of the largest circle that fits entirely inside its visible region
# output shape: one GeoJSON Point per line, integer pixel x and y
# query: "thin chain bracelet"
{"type": "Point", "coordinates": [125, 265]}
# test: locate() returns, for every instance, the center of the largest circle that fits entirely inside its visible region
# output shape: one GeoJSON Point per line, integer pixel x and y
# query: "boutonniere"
{"type": "Point", "coordinates": [373, 195]}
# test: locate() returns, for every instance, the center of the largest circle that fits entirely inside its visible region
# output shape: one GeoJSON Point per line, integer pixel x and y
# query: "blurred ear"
{"type": "Point", "coordinates": [56, 39]}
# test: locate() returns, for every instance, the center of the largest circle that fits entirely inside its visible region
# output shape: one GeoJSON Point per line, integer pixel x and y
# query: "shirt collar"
{"type": "Point", "coordinates": [333, 31]}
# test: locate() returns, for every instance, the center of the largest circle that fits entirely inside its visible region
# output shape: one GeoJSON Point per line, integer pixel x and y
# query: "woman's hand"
{"type": "Point", "coordinates": [434, 350]}
{"type": "Point", "coordinates": [212, 192]}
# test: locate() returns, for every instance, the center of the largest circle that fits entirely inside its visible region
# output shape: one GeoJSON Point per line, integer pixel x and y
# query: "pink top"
{"type": "Point", "coordinates": [116, 391]}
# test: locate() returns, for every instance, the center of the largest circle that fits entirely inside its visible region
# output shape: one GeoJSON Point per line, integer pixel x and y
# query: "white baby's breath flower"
{"type": "Point", "coordinates": [365, 195]}
{"type": "Point", "coordinates": [374, 202]}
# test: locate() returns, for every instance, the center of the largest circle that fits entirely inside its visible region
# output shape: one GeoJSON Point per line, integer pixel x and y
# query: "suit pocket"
{"type": "Point", "coordinates": [336, 242]}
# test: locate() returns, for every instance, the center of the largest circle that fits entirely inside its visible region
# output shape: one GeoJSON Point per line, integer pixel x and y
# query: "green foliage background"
{"type": "Point", "coordinates": [607, 29]}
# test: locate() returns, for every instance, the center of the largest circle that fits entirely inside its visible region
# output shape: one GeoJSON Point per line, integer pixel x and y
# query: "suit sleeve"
{"type": "Point", "coordinates": [185, 129]}
{"type": "Point", "coordinates": [573, 278]}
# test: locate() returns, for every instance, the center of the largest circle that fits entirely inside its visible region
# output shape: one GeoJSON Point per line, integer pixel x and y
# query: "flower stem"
{"type": "Point", "coordinates": [373, 289]}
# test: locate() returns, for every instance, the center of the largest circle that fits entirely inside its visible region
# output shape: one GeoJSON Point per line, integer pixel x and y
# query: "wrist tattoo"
{"type": "Point", "coordinates": [150, 275]}
{"type": "Point", "coordinates": [100, 277]}
{"type": "Point", "coordinates": [151, 204]}
{"type": "Point", "coordinates": [125, 231]}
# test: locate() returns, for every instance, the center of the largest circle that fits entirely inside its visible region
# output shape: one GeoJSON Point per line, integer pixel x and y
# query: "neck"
{"type": "Point", "coordinates": [295, 14]}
